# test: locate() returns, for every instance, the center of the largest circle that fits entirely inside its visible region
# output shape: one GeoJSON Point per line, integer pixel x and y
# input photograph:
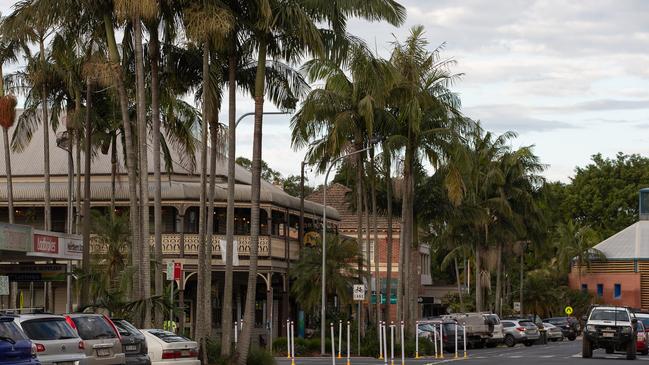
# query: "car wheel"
{"type": "Point", "coordinates": [586, 349]}
{"type": "Point", "coordinates": [529, 343]}
{"type": "Point", "coordinates": [572, 337]}
{"type": "Point", "coordinates": [510, 341]}
{"type": "Point", "coordinates": [631, 350]}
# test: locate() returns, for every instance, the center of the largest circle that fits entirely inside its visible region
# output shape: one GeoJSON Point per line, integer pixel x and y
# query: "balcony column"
{"type": "Point", "coordinates": [285, 304]}
{"type": "Point", "coordinates": [180, 227]}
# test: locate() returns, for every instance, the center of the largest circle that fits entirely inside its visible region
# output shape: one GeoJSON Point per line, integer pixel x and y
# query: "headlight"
{"type": "Point", "coordinates": [590, 328]}
{"type": "Point", "coordinates": [627, 329]}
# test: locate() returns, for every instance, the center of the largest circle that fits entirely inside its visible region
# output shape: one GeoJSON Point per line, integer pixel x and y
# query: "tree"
{"type": "Point", "coordinates": [574, 243]}
{"type": "Point", "coordinates": [7, 118]}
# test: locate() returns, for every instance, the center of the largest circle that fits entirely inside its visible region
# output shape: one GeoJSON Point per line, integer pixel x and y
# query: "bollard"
{"type": "Point", "coordinates": [340, 338]}
{"type": "Point", "coordinates": [441, 340]}
{"type": "Point", "coordinates": [464, 336]}
{"type": "Point", "coordinates": [333, 345]}
{"type": "Point", "coordinates": [455, 341]}
{"type": "Point", "coordinates": [241, 325]}
{"type": "Point", "coordinates": [288, 337]}
{"type": "Point", "coordinates": [292, 343]}
{"type": "Point", "coordinates": [435, 338]}
{"type": "Point", "coordinates": [417, 340]}
{"type": "Point", "coordinates": [381, 340]}
{"type": "Point", "coordinates": [348, 346]}
{"type": "Point", "coordinates": [236, 330]}
{"type": "Point", "coordinates": [391, 343]}
{"type": "Point", "coordinates": [385, 343]}
{"type": "Point", "coordinates": [403, 345]}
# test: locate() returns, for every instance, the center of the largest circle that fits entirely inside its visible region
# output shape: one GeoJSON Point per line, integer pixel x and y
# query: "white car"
{"type": "Point", "coordinates": [168, 348]}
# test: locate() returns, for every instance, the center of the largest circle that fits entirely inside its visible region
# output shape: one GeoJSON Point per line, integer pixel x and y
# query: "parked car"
{"type": "Point", "coordinates": [569, 326]}
{"type": "Point", "coordinates": [497, 334]}
{"type": "Point", "coordinates": [168, 348]}
{"type": "Point", "coordinates": [642, 345]}
{"type": "Point", "coordinates": [55, 341]}
{"type": "Point", "coordinates": [15, 347]}
{"type": "Point", "coordinates": [644, 318]}
{"type": "Point", "coordinates": [553, 332]}
{"type": "Point", "coordinates": [133, 343]}
{"type": "Point", "coordinates": [480, 327]}
{"type": "Point", "coordinates": [100, 337]}
{"type": "Point", "coordinates": [520, 331]}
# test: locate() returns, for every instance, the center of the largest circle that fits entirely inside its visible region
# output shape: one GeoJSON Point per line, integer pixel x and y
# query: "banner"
{"type": "Point", "coordinates": [14, 237]}
{"type": "Point", "coordinates": [224, 252]}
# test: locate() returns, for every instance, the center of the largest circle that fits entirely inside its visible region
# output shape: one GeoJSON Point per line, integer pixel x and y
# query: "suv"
{"type": "Point", "coordinates": [610, 328]}
{"type": "Point", "coordinates": [520, 331]}
{"type": "Point", "coordinates": [569, 326]}
{"type": "Point", "coordinates": [101, 339]}
{"type": "Point", "coordinates": [15, 347]}
{"type": "Point", "coordinates": [55, 341]}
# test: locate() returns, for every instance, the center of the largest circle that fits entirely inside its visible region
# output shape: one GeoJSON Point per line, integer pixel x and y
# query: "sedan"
{"type": "Point", "coordinates": [133, 342]}
{"type": "Point", "coordinates": [553, 332]}
{"type": "Point", "coordinates": [168, 348]}
{"type": "Point", "coordinates": [15, 347]}
{"type": "Point", "coordinates": [642, 340]}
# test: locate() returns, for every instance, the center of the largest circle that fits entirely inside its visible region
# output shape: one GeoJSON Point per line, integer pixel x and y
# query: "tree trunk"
{"type": "Point", "coordinates": [145, 256]}
{"type": "Point", "coordinates": [113, 172]}
{"type": "Point", "coordinates": [201, 289]}
{"type": "Point", "coordinates": [226, 313]}
{"type": "Point", "coordinates": [46, 144]}
{"type": "Point", "coordinates": [498, 306]}
{"type": "Point", "coordinates": [10, 189]}
{"type": "Point", "coordinates": [406, 234]}
{"type": "Point", "coordinates": [154, 55]}
{"type": "Point", "coordinates": [214, 130]}
{"type": "Point", "coordinates": [85, 284]}
{"type": "Point", "coordinates": [388, 276]}
{"type": "Point", "coordinates": [478, 282]}
{"type": "Point", "coordinates": [249, 318]}
{"type": "Point", "coordinates": [459, 284]}
{"type": "Point", "coordinates": [368, 253]}
{"type": "Point", "coordinates": [130, 152]}
{"type": "Point", "coordinates": [375, 229]}
{"type": "Point", "coordinates": [359, 235]}
{"type": "Point", "coordinates": [77, 214]}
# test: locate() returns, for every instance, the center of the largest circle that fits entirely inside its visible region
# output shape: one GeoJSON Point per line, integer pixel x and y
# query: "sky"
{"type": "Point", "coordinates": [570, 77]}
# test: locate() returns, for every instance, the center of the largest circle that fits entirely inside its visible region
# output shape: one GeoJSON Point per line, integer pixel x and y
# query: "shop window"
{"type": "Point", "coordinates": [600, 290]}
{"type": "Point", "coordinates": [584, 288]}
{"type": "Point", "coordinates": [618, 291]}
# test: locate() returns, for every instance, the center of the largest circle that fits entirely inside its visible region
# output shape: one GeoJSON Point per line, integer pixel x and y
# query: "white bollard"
{"type": "Point", "coordinates": [236, 334]}
{"type": "Point", "coordinates": [292, 343]}
{"type": "Point", "coordinates": [288, 337]}
{"type": "Point", "coordinates": [416, 339]}
{"type": "Point", "coordinates": [333, 345]}
{"type": "Point", "coordinates": [464, 336]}
{"type": "Point", "coordinates": [403, 345]}
{"type": "Point", "coordinates": [456, 340]}
{"type": "Point", "coordinates": [381, 340]}
{"type": "Point", "coordinates": [441, 340]}
{"type": "Point", "coordinates": [435, 338]}
{"type": "Point", "coordinates": [385, 343]}
{"type": "Point", "coordinates": [391, 343]}
{"type": "Point", "coordinates": [340, 338]}
{"type": "Point", "coordinates": [348, 346]}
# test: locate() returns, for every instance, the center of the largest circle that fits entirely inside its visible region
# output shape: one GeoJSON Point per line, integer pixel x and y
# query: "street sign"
{"type": "Point", "coordinates": [178, 269]}
{"type": "Point", "coordinates": [359, 292]}
{"type": "Point", "coordinates": [170, 270]}
{"type": "Point", "coordinates": [568, 310]}
{"type": "Point", "coordinates": [517, 306]}
{"type": "Point", "coordinates": [4, 285]}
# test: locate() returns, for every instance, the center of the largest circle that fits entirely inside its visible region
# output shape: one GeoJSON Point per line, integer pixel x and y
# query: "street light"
{"type": "Point", "coordinates": [264, 113]}
{"type": "Point", "coordinates": [324, 246]}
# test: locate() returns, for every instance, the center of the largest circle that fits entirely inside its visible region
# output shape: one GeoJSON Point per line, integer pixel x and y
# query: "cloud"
{"type": "Point", "coordinates": [516, 118]}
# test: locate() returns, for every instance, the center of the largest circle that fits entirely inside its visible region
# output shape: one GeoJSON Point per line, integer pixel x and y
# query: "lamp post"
{"type": "Point", "coordinates": [324, 246]}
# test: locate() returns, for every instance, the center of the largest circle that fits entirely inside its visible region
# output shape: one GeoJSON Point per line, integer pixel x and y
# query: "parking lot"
{"type": "Point", "coordinates": [566, 352]}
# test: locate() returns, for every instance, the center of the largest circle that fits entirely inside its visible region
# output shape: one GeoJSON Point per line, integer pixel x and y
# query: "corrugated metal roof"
{"type": "Point", "coordinates": [630, 243]}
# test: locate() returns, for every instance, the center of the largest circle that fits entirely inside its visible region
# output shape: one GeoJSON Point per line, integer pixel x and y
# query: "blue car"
{"type": "Point", "coordinates": [15, 347]}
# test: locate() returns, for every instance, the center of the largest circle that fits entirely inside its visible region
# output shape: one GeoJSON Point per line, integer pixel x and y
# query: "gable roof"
{"type": "Point", "coordinates": [629, 243]}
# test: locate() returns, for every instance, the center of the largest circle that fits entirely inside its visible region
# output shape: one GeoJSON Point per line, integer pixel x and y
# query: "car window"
{"type": "Point", "coordinates": [93, 327]}
{"type": "Point", "coordinates": [9, 329]}
{"type": "Point", "coordinates": [640, 326]}
{"type": "Point", "coordinates": [527, 324]}
{"type": "Point", "coordinates": [125, 328]}
{"type": "Point", "coordinates": [168, 337]}
{"type": "Point", "coordinates": [450, 327]}
{"type": "Point", "coordinates": [609, 315]}
{"type": "Point", "coordinates": [558, 321]}
{"type": "Point", "coordinates": [492, 319]}
{"type": "Point", "coordinates": [48, 329]}
{"type": "Point", "coordinates": [644, 321]}
{"type": "Point", "coordinates": [508, 324]}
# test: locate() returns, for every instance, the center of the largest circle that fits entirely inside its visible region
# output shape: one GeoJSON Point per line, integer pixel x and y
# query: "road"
{"type": "Point", "coordinates": [554, 353]}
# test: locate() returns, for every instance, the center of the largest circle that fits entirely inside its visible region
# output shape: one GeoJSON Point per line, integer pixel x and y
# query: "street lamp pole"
{"type": "Point", "coordinates": [264, 113]}
{"type": "Point", "coordinates": [324, 247]}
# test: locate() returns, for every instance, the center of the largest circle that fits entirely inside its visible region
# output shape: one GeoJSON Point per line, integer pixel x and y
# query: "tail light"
{"type": "Point", "coordinates": [113, 326]}
{"type": "Point", "coordinates": [82, 346]}
{"type": "Point", "coordinates": [520, 329]}
{"type": "Point", "coordinates": [170, 354]}
{"type": "Point", "coordinates": [40, 347]}
{"type": "Point", "coordinates": [193, 352]}
{"type": "Point", "coordinates": [71, 322]}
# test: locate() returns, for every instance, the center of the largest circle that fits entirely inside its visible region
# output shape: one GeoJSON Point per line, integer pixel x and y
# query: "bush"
{"type": "Point", "coordinates": [279, 345]}
{"type": "Point", "coordinates": [261, 357]}
{"type": "Point", "coordinates": [303, 346]}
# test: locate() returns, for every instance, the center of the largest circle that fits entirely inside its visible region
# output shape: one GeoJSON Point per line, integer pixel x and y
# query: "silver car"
{"type": "Point", "coordinates": [55, 341]}
{"type": "Point", "coordinates": [520, 331]}
{"type": "Point", "coordinates": [101, 339]}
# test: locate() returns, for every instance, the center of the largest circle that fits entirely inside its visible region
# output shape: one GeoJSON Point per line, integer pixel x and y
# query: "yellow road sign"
{"type": "Point", "coordinates": [568, 310]}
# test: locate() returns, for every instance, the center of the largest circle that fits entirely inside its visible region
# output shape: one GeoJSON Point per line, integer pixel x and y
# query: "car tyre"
{"type": "Point", "coordinates": [586, 349]}
{"type": "Point", "coordinates": [631, 350]}
{"type": "Point", "coordinates": [529, 343]}
{"type": "Point", "coordinates": [572, 337]}
{"type": "Point", "coordinates": [510, 341]}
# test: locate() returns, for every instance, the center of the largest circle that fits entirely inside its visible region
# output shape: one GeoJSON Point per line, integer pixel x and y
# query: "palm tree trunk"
{"type": "Point", "coordinates": [226, 314]}
{"type": "Point", "coordinates": [248, 318]}
{"type": "Point", "coordinates": [85, 284]}
{"type": "Point", "coordinates": [201, 288]}
{"type": "Point", "coordinates": [145, 262]}
{"type": "Point", "coordinates": [359, 235]}
{"type": "Point", "coordinates": [46, 144]}
{"type": "Point", "coordinates": [10, 189]}
{"type": "Point", "coordinates": [214, 130]}
{"type": "Point", "coordinates": [377, 251]}
{"type": "Point", "coordinates": [77, 214]}
{"type": "Point", "coordinates": [406, 233]}
{"type": "Point", "coordinates": [154, 55]}
{"type": "Point", "coordinates": [499, 269]}
{"type": "Point", "coordinates": [131, 163]}
{"type": "Point", "coordinates": [478, 282]}
{"type": "Point", "coordinates": [368, 253]}
{"type": "Point", "coordinates": [388, 275]}
{"type": "Point", "coordinates": [113, 172]}
{"type": "Point", "coordinates": [459, 284]}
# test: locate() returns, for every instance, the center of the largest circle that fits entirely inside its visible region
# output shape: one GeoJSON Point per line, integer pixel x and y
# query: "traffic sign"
{"type": "Point", "coordinates": [359, 292]}
{"type": "Point", "coordinates": [568, 310]}
{"type": "Point", "coordinates": [517, 306]}
{"type": "Point", "coordinates": [4, 285]}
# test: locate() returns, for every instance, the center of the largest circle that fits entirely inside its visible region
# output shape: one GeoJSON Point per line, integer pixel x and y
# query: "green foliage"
{"type": "Point", "coordinates": [303, 346]}
{"type": "Point", "coordinates": [260, 357]}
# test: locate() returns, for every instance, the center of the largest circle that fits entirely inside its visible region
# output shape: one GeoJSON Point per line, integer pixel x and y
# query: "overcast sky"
{"type": "Point", "coordinates": [570, 77]}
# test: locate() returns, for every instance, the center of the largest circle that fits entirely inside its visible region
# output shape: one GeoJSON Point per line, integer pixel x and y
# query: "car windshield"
{"type": "Point", "coordinates": [450, 328]}
{"type": "Point", "coordinates": [644, 321]}
{"type": "Point", "coordinates": [48, 329]}
{"type": "Point", "coordinates": [609, 315]}
{"type": "Point", "coordinates": [528, 324]}
{"type": "Point", "coordinates": [93, 327]}
{"type": "Point", "coordinates": [168, 337]}
{"type": "Point", "coordinates": [558, 321]}
{"type": "Point", "coordinates": [9, 329]}
{"type": "Point", "coordinates": [125, 328]}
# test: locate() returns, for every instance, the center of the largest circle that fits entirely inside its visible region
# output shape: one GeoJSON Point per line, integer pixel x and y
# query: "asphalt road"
{"type": "Point", "coordinates": [565, 352]}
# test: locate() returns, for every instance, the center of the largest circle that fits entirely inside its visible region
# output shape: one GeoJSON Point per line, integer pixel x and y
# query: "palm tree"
{"type": "Point", "coordinates": [7, 119]}
{"type": "Point", "coordinates": [574, 245]}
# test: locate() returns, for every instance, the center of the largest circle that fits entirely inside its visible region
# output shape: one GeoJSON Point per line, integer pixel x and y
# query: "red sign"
{"type": "Point", "coordinates": [178, 268]}
{"type": "Point", "coordinates": [46, 244]}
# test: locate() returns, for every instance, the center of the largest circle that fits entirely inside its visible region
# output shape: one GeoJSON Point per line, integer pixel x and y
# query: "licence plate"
{"type": "Point", "coordinates": [103, 352]}
{"type": "Point", "coordinates": [608, 334]}
{"type": "Point", "coordinates": [184, 353]}
{"type": "Point", "coordinates": [130, 348]}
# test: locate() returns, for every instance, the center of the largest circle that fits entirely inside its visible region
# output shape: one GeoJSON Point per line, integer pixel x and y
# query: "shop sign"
{"type": "Point", "coordinates": [72, 248]}
{"type": "Point", "coordinates": [47, 244]}
{"type": "Point", "coordinates": [33, 272]}
{"type": "Point", "coordinates": [14, 237]}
